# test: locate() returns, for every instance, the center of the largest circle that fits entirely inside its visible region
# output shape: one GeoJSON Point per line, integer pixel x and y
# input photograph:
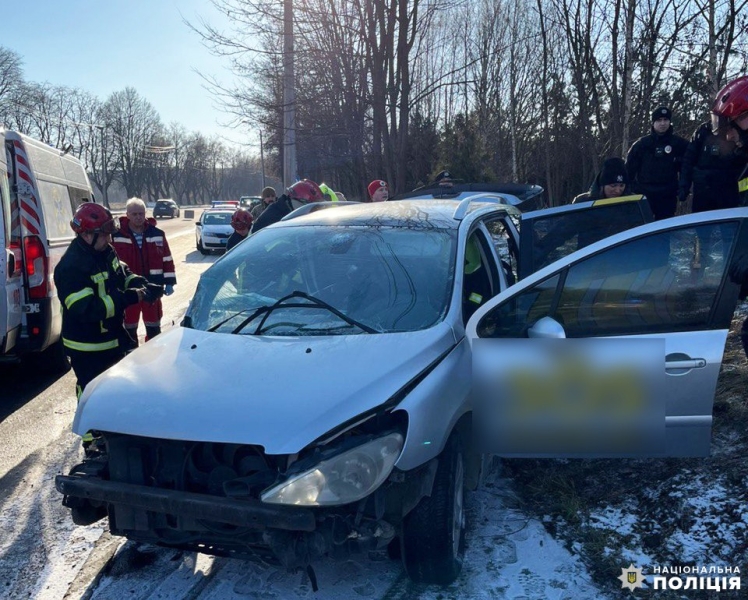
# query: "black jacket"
{"type": "Point", "coordinates": [94, 290]}
{"type": "Point", "coordinates": [234, 240]}
{"type": "Point", "coordinates": [712, 165]}
{"type": "Point", "coordinates": [654, 161]}
{"type": "Point", "coordinates": [273, 213]}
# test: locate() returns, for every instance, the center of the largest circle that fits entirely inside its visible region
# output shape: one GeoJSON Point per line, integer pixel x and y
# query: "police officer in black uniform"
{"type": "Point", "coordinates": [653, 164]}
{"type": "Point", "coordinates": [712, 163]}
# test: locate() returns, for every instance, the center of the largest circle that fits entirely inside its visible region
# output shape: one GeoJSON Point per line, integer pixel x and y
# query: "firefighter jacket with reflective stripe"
{"type": "Point", "coordinates": [93, 291]}
{"type": "Point", "coordinates": [153, 261]}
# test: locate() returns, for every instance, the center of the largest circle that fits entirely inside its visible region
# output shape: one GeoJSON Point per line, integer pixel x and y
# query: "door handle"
{"type": "Point", "coordinates": [691, 363]}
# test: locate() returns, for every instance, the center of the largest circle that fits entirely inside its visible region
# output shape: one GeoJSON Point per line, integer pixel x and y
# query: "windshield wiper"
{"type": "Point", "coordinates": [315, 303]}
{"type": "Point", "coordinates": [227, 319]}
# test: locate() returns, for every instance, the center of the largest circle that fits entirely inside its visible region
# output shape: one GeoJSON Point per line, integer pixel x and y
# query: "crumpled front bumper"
{"type": "Point", "coordinates": [242, 513]}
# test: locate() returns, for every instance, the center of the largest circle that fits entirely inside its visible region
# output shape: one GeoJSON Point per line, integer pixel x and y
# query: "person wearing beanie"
{"type": "Point", "coordinates": [268, 197]}
{"type": "Point", "coordinates": [654, 163]}
{"type": "Point", "coordinates": [611, 182]}
{"type": "Point", "coordinates": [378, 190]}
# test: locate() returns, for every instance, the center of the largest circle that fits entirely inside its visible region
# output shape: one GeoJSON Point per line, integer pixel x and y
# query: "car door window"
{"type": "Point", "coordinates": [481, 278]}
{"type": "Point", "coordinates": [664, 282]}
{"type": "Point", "coordinates": [552, 235]}
{"type": "Point", "coordinates": [506, 248]}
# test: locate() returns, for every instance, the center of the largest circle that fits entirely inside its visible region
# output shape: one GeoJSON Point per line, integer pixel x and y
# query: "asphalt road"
{"type": "Point", "coordinates": [36, 411]}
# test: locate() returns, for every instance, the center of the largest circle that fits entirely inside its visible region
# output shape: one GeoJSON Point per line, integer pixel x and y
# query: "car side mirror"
{"type": "Point", "coordinates": [546, 328]}
{"type": "Point", "coordinates": [198, 223]}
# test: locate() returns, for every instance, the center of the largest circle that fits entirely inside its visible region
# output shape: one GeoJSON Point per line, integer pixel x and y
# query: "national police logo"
{"type": "Point", "coordinates": [668, 149]}
{"type": "Point", "coordinates": [631, 578]}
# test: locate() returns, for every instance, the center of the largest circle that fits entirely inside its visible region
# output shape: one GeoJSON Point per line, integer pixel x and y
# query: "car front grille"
{"type": "Point", "coordinates": [230, 470]}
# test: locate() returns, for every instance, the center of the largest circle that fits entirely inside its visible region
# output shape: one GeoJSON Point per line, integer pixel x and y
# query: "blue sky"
{"type": "Point", "coordinates": [103, 46]}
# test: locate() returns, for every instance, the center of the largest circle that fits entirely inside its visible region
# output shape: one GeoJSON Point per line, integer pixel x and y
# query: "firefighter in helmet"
{"type": "Point", "coordinates": [300, 193]}
{"type": "Point", "coordinates": [730, 114]}
{"type": "Point", "coordinates": [94, 288]}
{"type": "Point", "coordinates": [241, 221]}
{"type": "Point", "coordinates": [730, 117]}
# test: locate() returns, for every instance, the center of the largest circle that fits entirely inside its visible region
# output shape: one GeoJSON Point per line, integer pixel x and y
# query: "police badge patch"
{"type": "Point", "coordinates": [668, 149]}
{"type": "Point", "coordinates": [631, 577]}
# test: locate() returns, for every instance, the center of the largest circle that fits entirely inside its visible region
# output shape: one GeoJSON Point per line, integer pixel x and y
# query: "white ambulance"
{"type": "Point", "coordinates": [41, 187]}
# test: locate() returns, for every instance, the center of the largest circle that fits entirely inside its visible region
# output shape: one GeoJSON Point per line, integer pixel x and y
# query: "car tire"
{"type": "Point", "coordinates": [433, 533]}
{"type": "Point", "coordinates": [202, 249]}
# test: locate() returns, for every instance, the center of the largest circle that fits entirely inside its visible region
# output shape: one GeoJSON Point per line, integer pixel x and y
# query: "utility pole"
{"type": "Point", "coordinates": [262, 160]}
{"type": "Point", "coordinates": [289, 98]}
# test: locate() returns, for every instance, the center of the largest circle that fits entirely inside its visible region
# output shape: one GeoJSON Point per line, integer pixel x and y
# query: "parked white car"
{"type": "Point", "coordinates": [352, 425]}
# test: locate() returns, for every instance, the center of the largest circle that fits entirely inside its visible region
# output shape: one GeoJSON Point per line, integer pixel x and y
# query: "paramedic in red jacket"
{"type": "Point", "coordinates": [143, 247]}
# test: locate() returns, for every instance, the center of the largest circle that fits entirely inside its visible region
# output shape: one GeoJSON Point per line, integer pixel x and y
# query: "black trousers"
{"type": "Point", "coordinates": [663, 205]}
{"type": "Point", "coordinates": [88, 365]}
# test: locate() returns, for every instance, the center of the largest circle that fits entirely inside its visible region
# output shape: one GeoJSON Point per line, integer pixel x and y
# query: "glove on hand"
{"type": "Point", "coordinates": [168, 290]}
{"type": "Point", "coordinates": [132, 297]}
{"type": "Point", "coordinates": [153, 292]}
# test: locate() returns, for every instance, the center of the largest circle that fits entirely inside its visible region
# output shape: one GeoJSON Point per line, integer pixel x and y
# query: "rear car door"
{"type": "Point", "coordinates": [10, 257]}
{"type": "Point", "coordinates": [660, 290]}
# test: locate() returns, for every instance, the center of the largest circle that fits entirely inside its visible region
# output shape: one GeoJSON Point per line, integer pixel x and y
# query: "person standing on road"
{"type": "Point", "coordinates": [268, 196]}
{"type": "Point", "coordinates": [94, 289]}
{"type": "Point", "coordinates": [241, 221]}
{"type": "Point", "coordinates": [653, 164]}
{"type": "Point", "coordinates": [300, 193]}
{"type": "Point", "coordinates": [144, 248]}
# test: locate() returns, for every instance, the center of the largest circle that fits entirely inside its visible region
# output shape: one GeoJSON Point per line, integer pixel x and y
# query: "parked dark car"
{"type": "Point", "coordinates": [166, 208]}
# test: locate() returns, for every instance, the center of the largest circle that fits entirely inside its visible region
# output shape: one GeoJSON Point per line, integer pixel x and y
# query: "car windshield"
{"type": "Point", "coordinates": [328, 280]}
{"type": "Point", "coordinates": [217, 218]}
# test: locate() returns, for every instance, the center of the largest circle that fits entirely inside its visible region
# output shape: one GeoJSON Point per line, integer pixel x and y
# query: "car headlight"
{"type": "Point", "coordinates": [347, 477]}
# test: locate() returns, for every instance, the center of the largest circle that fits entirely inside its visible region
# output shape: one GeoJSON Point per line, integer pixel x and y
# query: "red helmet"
{"type": "Point", "coordinates": [241, 219]}
{"type": "Point", "coordinates": [731, 102]}
{"type": "Point", "coordinates": [305, 191]}
{"type": "Point", "coordinates": [93, 218]}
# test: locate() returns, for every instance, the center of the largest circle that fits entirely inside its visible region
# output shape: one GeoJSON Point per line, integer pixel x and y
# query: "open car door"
{"type": "Point", "coordinates": [661, 291]}
{"type": "Point", "coordinates": [11, 281]}
{"type": "Point", "coordinates": [552, 233]}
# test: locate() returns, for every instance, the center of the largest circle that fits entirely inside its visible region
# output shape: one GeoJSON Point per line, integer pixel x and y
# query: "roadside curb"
{"type": "Point", "coordinates": [85, 583]}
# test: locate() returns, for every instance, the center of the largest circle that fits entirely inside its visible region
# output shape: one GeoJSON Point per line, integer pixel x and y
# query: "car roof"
{"type": "Point", "coordinates": [515, 193]}
{"type": "Point", "coordinates": [414, 214]}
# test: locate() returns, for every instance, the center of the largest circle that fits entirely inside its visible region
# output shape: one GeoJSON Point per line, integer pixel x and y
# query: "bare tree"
{"type": "Point", "coordinates": [133, 124]}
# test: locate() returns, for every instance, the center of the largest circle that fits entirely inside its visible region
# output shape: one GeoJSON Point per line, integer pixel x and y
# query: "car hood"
{"type": "Point", "coordinates": [278, 392]}
{"type": "Point", "coordinates": [213, 229]}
